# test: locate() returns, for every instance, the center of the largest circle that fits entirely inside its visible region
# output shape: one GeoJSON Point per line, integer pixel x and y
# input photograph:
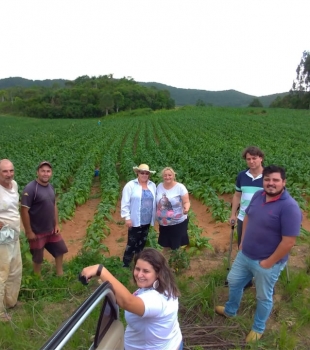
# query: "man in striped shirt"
{"type": "Point", "coordinates": [248, 182]}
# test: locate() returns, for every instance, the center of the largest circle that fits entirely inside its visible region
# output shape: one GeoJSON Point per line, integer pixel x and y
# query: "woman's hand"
{"type": "Point", "coordinates": [128, 223]}
{"type": "Point", "coordinates": [185, 210]}
{"type": "Point", "coordinates": [90, 271]}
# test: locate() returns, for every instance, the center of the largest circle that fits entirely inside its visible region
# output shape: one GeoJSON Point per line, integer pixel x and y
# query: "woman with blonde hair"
{"type": "Point", "coordinates": [172, 208]}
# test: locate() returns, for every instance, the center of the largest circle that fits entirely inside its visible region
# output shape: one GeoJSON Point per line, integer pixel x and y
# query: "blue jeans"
{"type": "Point", "coordinates": [242, 270]}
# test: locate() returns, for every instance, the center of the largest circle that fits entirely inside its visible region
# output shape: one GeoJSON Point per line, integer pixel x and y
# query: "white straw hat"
{"type": "Point", "coordinates": [143, 167]}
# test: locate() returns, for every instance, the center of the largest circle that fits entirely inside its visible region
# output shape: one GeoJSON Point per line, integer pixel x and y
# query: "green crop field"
{"type": "Point", "coordinates": [202, 144]}
{"type": "Point", "coordinates": [204, 147]}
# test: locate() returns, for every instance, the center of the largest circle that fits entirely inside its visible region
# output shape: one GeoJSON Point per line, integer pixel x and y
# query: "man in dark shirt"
{"type": "Point", "coordinates": [40, 219]}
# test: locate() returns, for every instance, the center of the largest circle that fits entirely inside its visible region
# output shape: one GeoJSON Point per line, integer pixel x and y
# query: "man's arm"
{"type": "Point", "coordinates": [234, 206]}
{"type": "Point", "coordinates": [24, 213]}
{"type": "Point", "coordinates": [57, 229]}
{"type": "Point", "coordinates": [283, 249]}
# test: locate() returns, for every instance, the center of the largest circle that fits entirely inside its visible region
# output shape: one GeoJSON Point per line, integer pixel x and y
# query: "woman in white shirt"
{"type": "Point", "coordinates": [152, 310]}
{"type": "Point", "coordinates": [138, 209]}
{"type": "Point", "coordinates": [172, 207]}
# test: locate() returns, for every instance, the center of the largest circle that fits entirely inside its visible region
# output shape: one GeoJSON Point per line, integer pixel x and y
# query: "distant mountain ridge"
{"type": "Point", "coordinates": [182, 97]}
{"type": "Point", "coordinates": [226, 98]}
{"type": "Point", "coordinates": [22, 82]}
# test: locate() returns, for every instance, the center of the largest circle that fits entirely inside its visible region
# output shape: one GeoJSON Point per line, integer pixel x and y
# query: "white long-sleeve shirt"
{"type": "Point", "coordinates": [131, 201]}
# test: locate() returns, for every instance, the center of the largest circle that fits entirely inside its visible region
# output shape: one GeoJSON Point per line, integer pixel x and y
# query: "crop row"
{"type": "Point", "coordinates": [203, 145]}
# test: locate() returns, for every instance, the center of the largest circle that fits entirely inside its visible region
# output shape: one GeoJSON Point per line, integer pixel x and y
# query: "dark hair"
{"type": "Point", "coordinates": [253, 151]}
{"type": "Point", "coordinates": [274, 169]}
{"type": "Point", "coordinates": [167, 284]}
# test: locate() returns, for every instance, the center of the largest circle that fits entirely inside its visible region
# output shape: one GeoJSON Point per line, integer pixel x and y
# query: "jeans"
{"type": "Point", "coordinates": [242, 270]}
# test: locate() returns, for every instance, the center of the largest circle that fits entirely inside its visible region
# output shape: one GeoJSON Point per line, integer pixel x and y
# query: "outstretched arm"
{"type": "Point", "coordinates": [124, 298]}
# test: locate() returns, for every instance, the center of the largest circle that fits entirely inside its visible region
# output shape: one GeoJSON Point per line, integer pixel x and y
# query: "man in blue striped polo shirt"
{"type": "Point", "coordinates": [248, 182]}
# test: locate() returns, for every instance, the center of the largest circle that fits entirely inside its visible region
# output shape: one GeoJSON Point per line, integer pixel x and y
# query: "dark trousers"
{"type": "Point", "coordinates": [239, 230]}
{"type": "Point", "coordinates": [136, 241]}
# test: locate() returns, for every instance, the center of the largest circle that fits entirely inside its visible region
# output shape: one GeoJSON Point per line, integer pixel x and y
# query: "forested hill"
{"type": "Point", "coordinates": [231, 98]}
{"type": "Point", "coordinates": [22, 82]}
{"type": "Point", "coordinates": [181, 97]}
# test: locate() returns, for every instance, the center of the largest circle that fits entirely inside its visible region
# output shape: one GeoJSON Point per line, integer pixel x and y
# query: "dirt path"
{"type": "Point", "coordinates": [73, 232]}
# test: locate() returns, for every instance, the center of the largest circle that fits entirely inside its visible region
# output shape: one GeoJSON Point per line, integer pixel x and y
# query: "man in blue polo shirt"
{"type": "Point", "coordinates": [272, 222]}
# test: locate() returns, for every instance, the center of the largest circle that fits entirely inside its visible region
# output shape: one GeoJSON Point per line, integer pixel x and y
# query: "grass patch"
{"type": "Point", "coordinates": [46, 302]}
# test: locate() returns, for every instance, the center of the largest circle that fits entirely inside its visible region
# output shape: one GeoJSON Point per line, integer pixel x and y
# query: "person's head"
{"type": "Point", "coordinates": [44, 173]}
{"type": "Point", "coordinates": [168, 174]}
{"type": "Point", "coordinates": [143, 172]}
{"type": "Point", "coordinates": [274, 180]}
{"type": "Point", "coordinates": [150, 266]}
{"type": "Point", "coordinates": [253, 156]}
{"type": "Point", "coordinates": [6, 172]}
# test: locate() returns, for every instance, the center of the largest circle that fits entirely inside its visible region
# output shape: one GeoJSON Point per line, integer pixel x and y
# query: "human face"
{"type": "Point", "coordinates": [168, 177]}
{"type": "Point", "coordinates": [253, 162]}
{"type": "Point", "coordinates": [44, 174]}
{"type": "Point", "coordinates": [273, 184]}
{"type": "Point", "coordinates": [143, 176]}
{"type": "Point", "coordinates": [144, 274]}
{"type": "Point", "coordinates": [6, 173]}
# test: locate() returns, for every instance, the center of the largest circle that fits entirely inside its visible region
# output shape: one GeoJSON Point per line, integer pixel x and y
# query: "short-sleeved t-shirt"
{"type": "Point", "coordinates": [158, 328]}
{"type": "Point", "coordinates": [268, 222]}
{"type": "Point", "coordinates": [41, 203]}
{"type": "Point", "coordinates": [247, 185]}
{"type": "Point", "coordinates": [169, 209]}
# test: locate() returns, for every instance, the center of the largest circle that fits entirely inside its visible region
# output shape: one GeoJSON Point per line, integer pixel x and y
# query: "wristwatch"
{"type": "Point", "coordinates": [100, 267]}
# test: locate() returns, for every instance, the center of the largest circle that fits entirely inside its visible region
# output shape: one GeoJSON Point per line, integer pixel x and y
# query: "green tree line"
{"type": "Point", "coordinates": [84, 97]}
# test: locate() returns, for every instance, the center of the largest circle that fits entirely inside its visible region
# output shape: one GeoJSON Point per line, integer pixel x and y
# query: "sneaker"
{"type": "Point", "coordinates": [220, 310]}
{"type": "Point", "coordinates": [253, 336]}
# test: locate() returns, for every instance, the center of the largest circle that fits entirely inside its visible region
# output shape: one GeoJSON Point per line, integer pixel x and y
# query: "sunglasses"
{"type": "Point", "coordinates": [144, 173]}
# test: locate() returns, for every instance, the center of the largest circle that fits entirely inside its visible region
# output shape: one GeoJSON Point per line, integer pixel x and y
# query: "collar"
{"type": "Point", "coordinates": [136, 181]}
{"type": "Point", "coordinates": [252, 177]}
{"type": "Point", "coordinates": [281, 196]}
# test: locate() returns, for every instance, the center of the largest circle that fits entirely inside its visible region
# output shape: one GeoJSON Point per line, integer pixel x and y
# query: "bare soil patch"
{"type": "Point", "coordinates": [73, 232]}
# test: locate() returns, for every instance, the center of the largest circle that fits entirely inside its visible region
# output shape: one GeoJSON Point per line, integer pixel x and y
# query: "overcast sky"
{"type": "Point", "coordinates": [250, 46]}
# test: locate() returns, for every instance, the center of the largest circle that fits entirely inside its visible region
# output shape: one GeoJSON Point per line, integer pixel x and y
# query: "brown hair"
{"type": "Point", "coordinates": [253, 151]}
{"type": "Point", "coordinates": [167, 284]}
